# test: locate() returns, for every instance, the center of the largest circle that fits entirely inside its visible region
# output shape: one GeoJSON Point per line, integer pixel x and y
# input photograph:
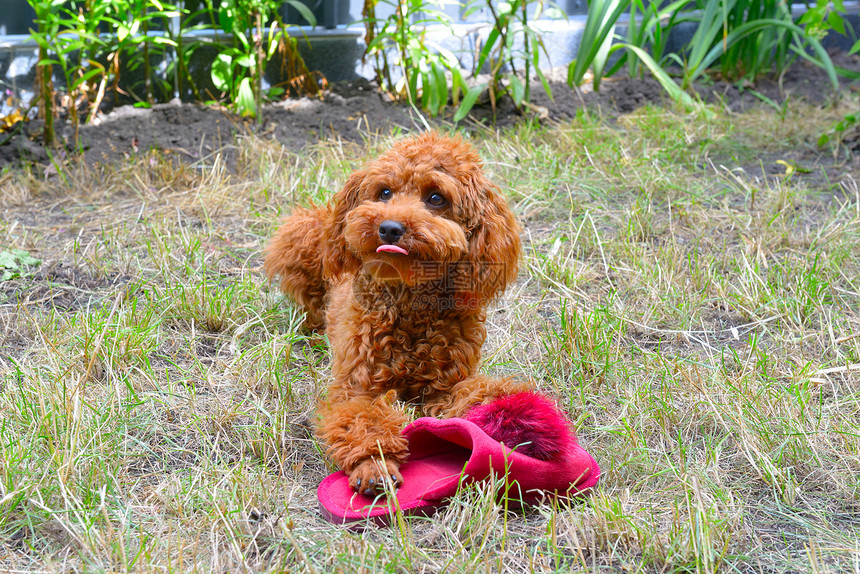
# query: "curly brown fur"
{"type": "Point", "coordinates": [294, 255]}
{"type": "Point", "coordinates": [399, 268]}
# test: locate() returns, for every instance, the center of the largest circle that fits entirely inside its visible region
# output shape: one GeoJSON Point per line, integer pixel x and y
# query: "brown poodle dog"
{"type": "Point", "coordinates": [399, 269]}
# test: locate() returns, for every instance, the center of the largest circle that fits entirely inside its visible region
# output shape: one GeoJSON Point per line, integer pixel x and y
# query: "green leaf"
{"type": "Point", "coordinates": [427, 91]}
{"type": "Point", "coordinates": [447, 57]}
{"type": "Point", "coordinates": [243, 39]}
{"type": "Point", "coordinates": [413, 88]}
{"type": "Point", "coordinates": [488, 47]}
{"type": "Point", "coordinates": [14, 261]}
{"type": "Point", "coordinates": [518, 90]}
{"type": "Point", "coordinates": [87, 76]}
{"type": "Point", "coordinates": [245, 99]}
{"type": "Point", "coordinates": [836, 22]}
{"type": "Point", "coordinates": [15, 258]}
{"type": "Point", "coordinates": [226, 19]}
{"type": "Point", "coordinates": [271, 43]}
{"type": "Point", "coordinates": [245, 60]}
{"type": "Point", "coordinates": [302, 9]}
{"type": "Point", "coordinates": [123, 31]}
{"type": "Point", "coordinates": [596, 39]}
{"type": "Point", "coordinates": [457, 86]}
{"type": "Point", "coordinates": [162, 41]}
{"type": "Point", "coordinates": [222, 72]}
{"type": "Point", "coordinates": [846, 73]}
{"type": "Point", "coordinates": [598, 63]}
{"type": "Point", "coordinates": [710, 26]}
{"type": "Point", "coordinates": [472, 8]}
{"type": "Point", "coordinates": [545, 84]}
{"type": "Point", "coordinates": [469, 101]}
{"type": "Point", "coordinates": [376, 43]}
{"type": "Point", "coordinates": [441, 87]}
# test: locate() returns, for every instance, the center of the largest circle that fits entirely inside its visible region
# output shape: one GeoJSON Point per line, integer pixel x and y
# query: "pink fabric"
{"type": "Point", "coordinates": [443, 450]}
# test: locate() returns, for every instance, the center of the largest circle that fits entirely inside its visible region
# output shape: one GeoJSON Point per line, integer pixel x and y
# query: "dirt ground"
{"type": "Point", "coordinates": [351, 109]}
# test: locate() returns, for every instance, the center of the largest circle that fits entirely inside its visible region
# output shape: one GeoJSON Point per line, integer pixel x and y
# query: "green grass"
{"type": "Point", "coordinates": [692, 306]}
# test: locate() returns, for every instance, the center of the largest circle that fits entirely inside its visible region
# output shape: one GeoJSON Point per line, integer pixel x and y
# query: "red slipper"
{"type": "Point", "coordinates": [446, 452]}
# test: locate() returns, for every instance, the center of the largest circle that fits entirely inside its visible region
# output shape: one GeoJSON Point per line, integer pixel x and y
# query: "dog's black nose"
{"type": "Point", "coordinates": [391, 231]}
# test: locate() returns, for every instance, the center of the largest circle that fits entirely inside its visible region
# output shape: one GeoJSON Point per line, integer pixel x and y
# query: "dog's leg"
{"type": "Point", "coordinates": [363, 434]}
{"type": "Point", "coordinates": [475, 390]}
{"type": "Point", "coordinates": [295, 255]}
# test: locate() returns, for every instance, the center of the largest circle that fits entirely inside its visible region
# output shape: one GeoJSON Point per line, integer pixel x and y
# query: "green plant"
{"type": "Point", "coordinates": [510, 22]}
{"type": "Point", "coordinates": [647, 29]}
{"type": "Point", "coordinates": [136, 39]}
{"type": "Point", "coordinates": [820, 19]}
{"type": "Point", "coordinates": [824, 16]}
{"type": "Point", "coordinates": [746, 37]}
{"type": "Point", "coordinates": [597, 37]}
{"type": "Point", "coordinates": [839, 129]}
{"type": "Point", "coordinates": [424, 65]}
{"type": "Point", "coordinates": [14, 262]}
{"type": "Point", "coordinates": [46, 26]}
{"type": "Point", "coordinates": [90, 41]}
{"type": "Point", "coordinates": [238, 70]}
{"type": "Point", "coordinates": [83, 39]}
{"type": "Point", "coordinates": [76, 44]}
{"type": "Point", "coordinates": [66, 36]}
{"type": "Point", "coordinates": [600, 31]}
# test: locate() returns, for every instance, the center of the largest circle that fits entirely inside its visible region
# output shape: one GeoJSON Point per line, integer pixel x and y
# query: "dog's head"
{"type": "Point", "coordinates": [424, 211]}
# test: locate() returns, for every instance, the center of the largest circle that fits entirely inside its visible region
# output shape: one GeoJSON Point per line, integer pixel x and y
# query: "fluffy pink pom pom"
{"type": "Point", "coordinates": [528, 422]}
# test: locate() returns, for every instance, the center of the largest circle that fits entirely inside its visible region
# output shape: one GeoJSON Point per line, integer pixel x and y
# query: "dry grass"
{"type": "Point", "coordinates": [694, 308]}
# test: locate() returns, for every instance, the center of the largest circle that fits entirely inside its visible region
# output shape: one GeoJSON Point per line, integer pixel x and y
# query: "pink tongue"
{"type": "Point", "coordinates": [388, 248]}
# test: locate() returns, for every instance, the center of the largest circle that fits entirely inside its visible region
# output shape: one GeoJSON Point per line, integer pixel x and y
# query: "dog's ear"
{"type": "Point", "coordinates": [492, 261]}
{"type": "Point", "coordinates": [337, 258]}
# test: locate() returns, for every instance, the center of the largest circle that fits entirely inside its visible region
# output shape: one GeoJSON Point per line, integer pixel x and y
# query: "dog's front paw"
{"type": "Point", "coordinates": [371, 477]}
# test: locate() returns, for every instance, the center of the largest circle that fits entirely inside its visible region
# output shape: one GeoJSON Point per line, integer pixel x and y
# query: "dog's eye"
{"type": "Point", "coordinates": [385, 194]}
{"type": "Point", "coordinates": [436, 199]}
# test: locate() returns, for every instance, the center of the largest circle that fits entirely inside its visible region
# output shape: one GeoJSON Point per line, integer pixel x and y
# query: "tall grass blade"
{"type": "Point", "coordinates": [673, 89]}
{"type": "Point", "coordinates": [749, 28]}
{"type": "Point", "coordinates": [596, 39]}
{"type": "Point", "coordinates": [712, 22]}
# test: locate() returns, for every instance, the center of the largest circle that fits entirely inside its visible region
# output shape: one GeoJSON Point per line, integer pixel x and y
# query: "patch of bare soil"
{"type": "Point", "coordinates": [193, 131]}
